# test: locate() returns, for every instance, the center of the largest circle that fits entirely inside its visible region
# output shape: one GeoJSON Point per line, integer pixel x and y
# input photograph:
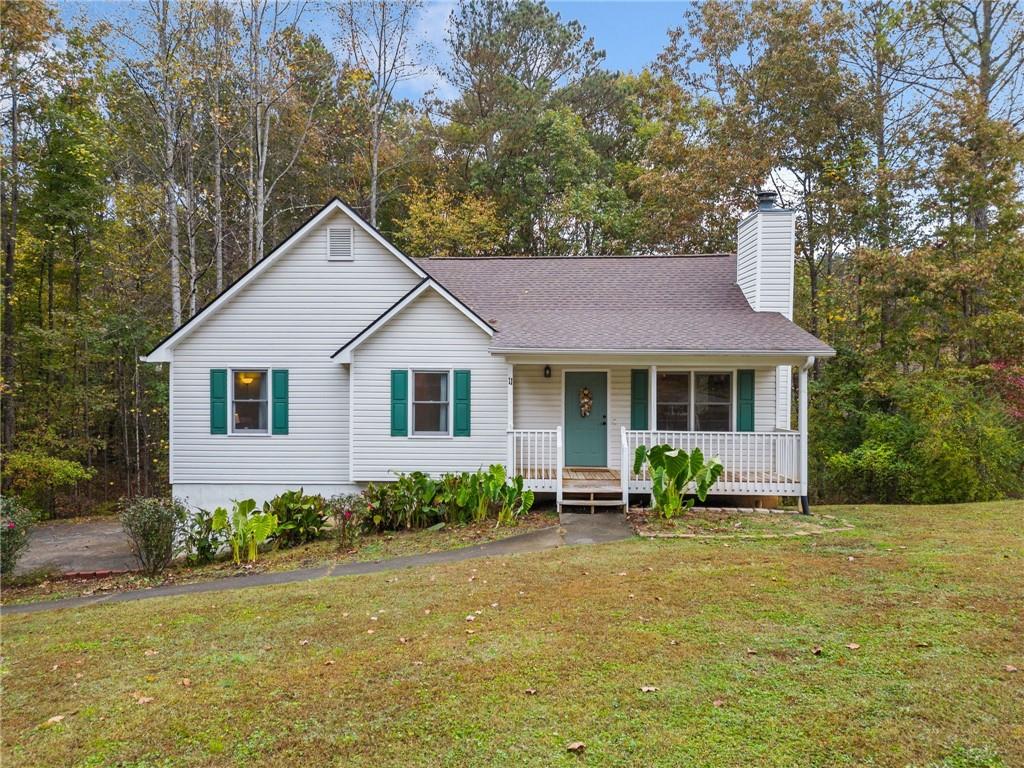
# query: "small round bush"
{"type": "Point", "coordinates": [153, 526]}
{"type": "Point", "coordinates": [16, 520]}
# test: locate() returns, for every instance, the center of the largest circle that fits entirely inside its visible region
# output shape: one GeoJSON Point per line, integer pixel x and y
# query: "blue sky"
{"type": "Point", "coordinates": [631, 33]}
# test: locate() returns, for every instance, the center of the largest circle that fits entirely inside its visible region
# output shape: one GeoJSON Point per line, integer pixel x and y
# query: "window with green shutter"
{"type": "Point", "coordinates": [279, 392]}
{"type": "Point", "coordinates": [218, 401]}
{"type": "Point", "coordinates": [639, 383]}
{"type": "Point", "coordinates": [745, 401]}
{"type": "Point", "coordinates": [461, 404]}
{"type": "Point", "coordinates": [399, 403]}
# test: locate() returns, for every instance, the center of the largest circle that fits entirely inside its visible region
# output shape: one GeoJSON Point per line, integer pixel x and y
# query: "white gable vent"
{"type": "Point", "coordinates": [339, 244]}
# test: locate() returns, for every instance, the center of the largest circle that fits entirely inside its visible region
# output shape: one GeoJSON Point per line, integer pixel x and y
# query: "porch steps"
{"type": "Point", "coordinates": [592, 499]}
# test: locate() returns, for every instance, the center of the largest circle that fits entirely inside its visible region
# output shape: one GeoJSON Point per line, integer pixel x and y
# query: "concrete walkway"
{"type": "Point", "coordinates": [574, 529]}
{"type": "Point", "coordinates": [77, 546]}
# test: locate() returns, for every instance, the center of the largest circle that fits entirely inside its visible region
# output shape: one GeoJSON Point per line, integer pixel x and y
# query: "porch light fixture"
{"type": "Point", "coordinates": [547, 371]}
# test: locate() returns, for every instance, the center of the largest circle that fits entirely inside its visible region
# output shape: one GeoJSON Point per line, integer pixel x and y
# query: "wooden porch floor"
{"type": "Point", "coordinates": [591, 480]}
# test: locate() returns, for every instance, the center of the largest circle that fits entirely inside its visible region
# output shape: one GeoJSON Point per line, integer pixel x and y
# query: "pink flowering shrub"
{"type": "Point", "coordinates": [16, 521]}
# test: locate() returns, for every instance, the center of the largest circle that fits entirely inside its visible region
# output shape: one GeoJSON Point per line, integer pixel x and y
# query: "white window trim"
{"type": "Point", "coordinates": [733, 410]}
{"type": "Point", "coordinates": [412, 404]}
{"type": "Point", "coordinates": [231, 403]}
{"type": "Point", "coordinates": [351, 243]}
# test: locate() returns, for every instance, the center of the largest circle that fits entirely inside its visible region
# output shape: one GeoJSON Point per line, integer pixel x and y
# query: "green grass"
{"type": "Point", "coordinates": [733, 523]}
{"type": "Point", "coordinates": [292, 675]}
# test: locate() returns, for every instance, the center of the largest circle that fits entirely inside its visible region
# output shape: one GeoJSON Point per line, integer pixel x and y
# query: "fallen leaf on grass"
{"type": "Point", "coordinates": [144, 700]}
{"type": "Point", "coordinates": [52, 721]}
{"type": "Point", "coordinates": [853, 646]}
{"type": "Point", "coordinates": [1010, 668]}
{"type": "Point", "coordinates": [329, 663]}
{"type": "Point", "coordinates": [530, 691]}
{"type": "Point", "coordinates": [922, 644]}
{"type": "Point", "coordinates": [403, 640]}
{"type": "Point", "coordinates": [751, 652]}
{"type": "Point", "coordinates": [648, 688]}
{"type": "Point", "coordinates": [469, 631]}
{"type": "Point", "coordinates": [151, 652]}
{"type": "Point", "coordinates": [303, 642]}
{"type": "Point", "coordinates": [718, 703]}
{"type": "Point", "coordinates": [185, 682]}
{"type": "Point", "coordinates": [576, 747]}
{"type": "Point", "coordinates": [816, 650]}
{"type": "Point", "coordinates": [471, 617]}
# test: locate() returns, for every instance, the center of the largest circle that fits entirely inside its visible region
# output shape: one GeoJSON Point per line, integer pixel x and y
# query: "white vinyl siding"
{"type": "Point", "coordinates": [747, 256]}
{"type": "Point", "coordinates": [429, 334]}
{"type": "Point", "coordinates": [764, 261]}
{"type": "Point", "coordinates": [293, 316]}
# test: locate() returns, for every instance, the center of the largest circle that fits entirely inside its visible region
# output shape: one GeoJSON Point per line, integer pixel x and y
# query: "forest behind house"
{"type": "Point", "coordinates": [151, 158]}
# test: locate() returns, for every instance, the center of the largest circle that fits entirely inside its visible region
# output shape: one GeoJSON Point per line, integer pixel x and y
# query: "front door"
{"type": "Point", "coordinates": [586, 419]}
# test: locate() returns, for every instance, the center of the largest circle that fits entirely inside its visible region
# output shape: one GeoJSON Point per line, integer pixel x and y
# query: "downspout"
{"type": "Point", "coordinates": [805, 506]}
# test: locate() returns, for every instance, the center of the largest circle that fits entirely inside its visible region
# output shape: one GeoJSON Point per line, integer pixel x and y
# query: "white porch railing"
{"type": "Point", "coordinates": [753, 462]}
{"type": "Point", "coordinates": [536, 454]}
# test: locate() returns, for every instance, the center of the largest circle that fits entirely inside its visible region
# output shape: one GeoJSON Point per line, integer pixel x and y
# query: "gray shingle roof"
{"type": "Point", "coordinates": [619, 303]}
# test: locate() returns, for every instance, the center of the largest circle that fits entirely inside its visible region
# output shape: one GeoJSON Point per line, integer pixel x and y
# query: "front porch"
{"type": "Point", "coordinates": [761, 456]}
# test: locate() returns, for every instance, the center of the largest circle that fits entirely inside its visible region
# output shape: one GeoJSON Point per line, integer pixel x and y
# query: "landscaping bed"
{"type": "Point", "coordinates": [731, 522]}
{"type": "Point", "coordinates": [368, 547]}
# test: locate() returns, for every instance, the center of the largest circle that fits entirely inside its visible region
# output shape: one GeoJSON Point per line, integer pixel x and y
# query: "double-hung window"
{"type": "Point", "coordinates": [249, 401]}
{"type": "Point", "coordinates": [674, 401]}
{"type": "Point", "coordinates": [430, 403]}
{"type": "Point", "coordinates": [694, 401]}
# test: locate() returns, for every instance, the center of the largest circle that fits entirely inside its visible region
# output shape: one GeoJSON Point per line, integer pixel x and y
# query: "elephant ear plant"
{"type": "Point", "coordinates": [672, 470]}
{"type": "Point", "coordinates": [247, 529]}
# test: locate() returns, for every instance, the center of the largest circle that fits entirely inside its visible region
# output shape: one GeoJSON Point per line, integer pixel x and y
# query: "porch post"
{"type": "Point", "coordinates": [510, 459]}
{"type": "Point", "coordinates": [652, 399]}
{"type": "Point", "coordinates": [804, 504]}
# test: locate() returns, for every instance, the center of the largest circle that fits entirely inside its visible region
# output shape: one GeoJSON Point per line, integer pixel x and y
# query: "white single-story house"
{"type": "Point", "coordinates": [337, 360]}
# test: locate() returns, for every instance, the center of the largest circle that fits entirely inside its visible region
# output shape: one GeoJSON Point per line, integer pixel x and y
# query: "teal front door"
{"type": "Point", "coordinates": [586, 419]}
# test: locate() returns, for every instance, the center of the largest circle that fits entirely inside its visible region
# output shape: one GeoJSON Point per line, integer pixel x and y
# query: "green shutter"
{"type": "Point", "coordinates": [461, 403]}
{"type": "Point", "coordinates": [218, 401]}
{"type": "Point", "coordinates": [399, 403]}
{"type": "Point", "coordinates": [279, 412]}
{"type": "Point", "coordinates": [745, 401]}
{"type": "Point", "coordinates": [640, 389]}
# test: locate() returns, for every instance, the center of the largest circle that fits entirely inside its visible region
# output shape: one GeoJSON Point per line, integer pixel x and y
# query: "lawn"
{"type": "Point", "coordinates": [890, 644]}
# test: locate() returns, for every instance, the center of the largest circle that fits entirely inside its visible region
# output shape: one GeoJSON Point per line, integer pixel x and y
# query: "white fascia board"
{"type": "Point", "coordinates": [344, 355]}
{"type": "Point", "coordinates": [161, 353]}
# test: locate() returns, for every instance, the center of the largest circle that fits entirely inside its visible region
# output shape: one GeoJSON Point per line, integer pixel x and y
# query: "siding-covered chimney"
{"type": "Point", "coordinates": [764, 272]}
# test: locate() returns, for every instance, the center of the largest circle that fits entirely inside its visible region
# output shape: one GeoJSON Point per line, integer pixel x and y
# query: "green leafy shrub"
{"type": "Point", "coordinates": [153, 526]}
{"type": "Point", "coordinates": [246, 529]}
{"type": "Point", "coordinates": [415, 500]}
{"type": "Point", "coordinates": [301, 518]}
{"type": "Point", "coordinates": [16, 521]}
{"type": "Point", "coordinates": [348, 511]}
{"type": "Point", "coordinates": [672, 470]}
{"type": "Point", "coordinates": [927, 438]}
{"type": "Point", "coordinates": [202, 541]}
{"type": "Point", "coordinates": [36, 477]}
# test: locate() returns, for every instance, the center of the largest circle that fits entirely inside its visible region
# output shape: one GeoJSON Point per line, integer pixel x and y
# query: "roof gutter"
{"type": "Point", "coordinates": [811, 354]}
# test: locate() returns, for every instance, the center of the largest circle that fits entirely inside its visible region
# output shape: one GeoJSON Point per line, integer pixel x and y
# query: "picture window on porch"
{"type": "Point", "coordinates": [249, 401]}
{"type": "Point", "coordinates": [694, 401]}
{"type": "Point", "coordinates": [430, 403]}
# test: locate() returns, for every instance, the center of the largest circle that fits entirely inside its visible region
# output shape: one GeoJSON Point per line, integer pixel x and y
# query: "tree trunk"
{"type": "Point", "coordinates": [10, 236]}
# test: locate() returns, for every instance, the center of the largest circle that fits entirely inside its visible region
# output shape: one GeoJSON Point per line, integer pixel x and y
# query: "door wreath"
{"type": "Point", "coordinates": [586, 402]}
